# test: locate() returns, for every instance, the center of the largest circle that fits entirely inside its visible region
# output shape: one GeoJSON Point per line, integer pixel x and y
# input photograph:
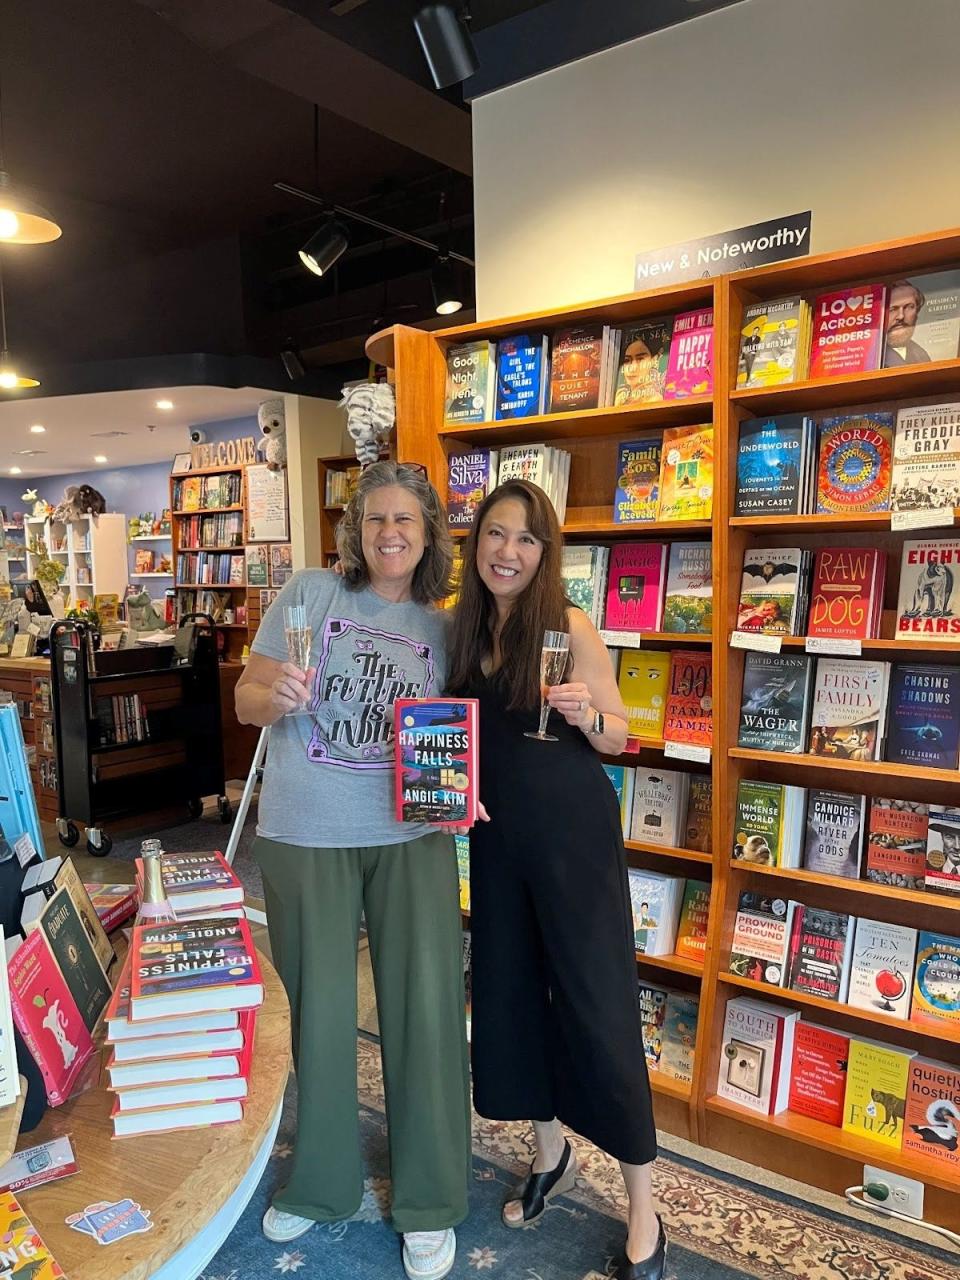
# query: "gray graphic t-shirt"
{"type": "Point", "coordinates": [329, 776]}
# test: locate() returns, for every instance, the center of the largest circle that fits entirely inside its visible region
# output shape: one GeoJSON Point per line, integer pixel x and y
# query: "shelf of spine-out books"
{"type": "Point", "coordinates": [211, 497]}
{"type": "Point", "coordinates": [592, 437]}
{"type": "Point", "coordinates": [137, 731]}
{"type": "Point", "coordinates": [27, 680]}
{"type": "Point", "coordinates": [778, 1141]}
{"type": "Point", "coordinates": [336, 476]}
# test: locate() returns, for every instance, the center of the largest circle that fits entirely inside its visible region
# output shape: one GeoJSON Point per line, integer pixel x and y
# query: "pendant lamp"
{"type": "Point", "coordinates": [10, 378]}
{"type": "Point", "coordinates": [22, 220]}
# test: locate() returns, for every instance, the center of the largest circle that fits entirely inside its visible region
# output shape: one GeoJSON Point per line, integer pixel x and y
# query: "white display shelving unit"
{"type": "Point", "coordinates": [93, 551]}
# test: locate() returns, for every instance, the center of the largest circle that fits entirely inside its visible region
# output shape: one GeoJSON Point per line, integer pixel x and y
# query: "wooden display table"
{"type": "Point", "coordinates": [194, 1182]}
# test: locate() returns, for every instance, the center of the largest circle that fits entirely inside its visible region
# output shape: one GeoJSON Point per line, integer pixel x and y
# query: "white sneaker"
{"type": "Point", "coordinates": [429, 1255]}
{"type": "Point", "coordinates": [281, 1227]}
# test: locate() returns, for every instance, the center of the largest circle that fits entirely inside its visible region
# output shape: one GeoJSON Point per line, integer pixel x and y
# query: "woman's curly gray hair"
{"type": "Point", "coordinates": [431, 579]}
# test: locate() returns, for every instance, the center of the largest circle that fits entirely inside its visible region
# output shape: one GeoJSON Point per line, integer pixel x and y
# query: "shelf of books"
{"type": "Point", "coordinates": [787, 640]}
{"type": "Point", "coordinates": [630, 380]}
{"type": "Point", "coordinates": [834, 967]}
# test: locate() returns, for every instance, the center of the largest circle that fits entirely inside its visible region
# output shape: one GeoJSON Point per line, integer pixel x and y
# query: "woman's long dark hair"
{"type": "Point", "coordinates": [542, 607]}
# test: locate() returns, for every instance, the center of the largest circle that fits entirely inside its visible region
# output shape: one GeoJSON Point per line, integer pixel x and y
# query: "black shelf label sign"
{"type": "Point", "coordinates": [753, 246]}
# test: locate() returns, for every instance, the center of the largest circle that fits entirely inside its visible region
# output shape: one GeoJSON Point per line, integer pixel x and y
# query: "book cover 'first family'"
{"type": "Point", "coordinates": [437, 760]}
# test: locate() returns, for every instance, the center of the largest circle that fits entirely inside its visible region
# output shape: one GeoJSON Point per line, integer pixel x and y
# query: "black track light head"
{"type": "Point", "coordinates": [447, 45]}
{"type": "Point", "coordinates": [446, 295]}
{"type": "Point", "coordinates": [292, 360]}
{"type": "Point", "coordinates": [325, 247]}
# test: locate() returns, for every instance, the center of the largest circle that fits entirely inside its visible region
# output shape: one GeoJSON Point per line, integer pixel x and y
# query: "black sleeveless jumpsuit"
{"type": "Point", "coordinates": [556, 1024]}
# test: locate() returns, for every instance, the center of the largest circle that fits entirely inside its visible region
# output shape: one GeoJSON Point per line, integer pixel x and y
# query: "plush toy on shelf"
{"type": "Point", "coordinates": [68, 510]}
{"type": "Point", "coordinates": [371, 413]}
{"type": "Point", "coordinates": [91, 501]}
{"type": "Point", "coordinates": [41, 507]}
{"type": "Point", "coordinates": [271, 420]}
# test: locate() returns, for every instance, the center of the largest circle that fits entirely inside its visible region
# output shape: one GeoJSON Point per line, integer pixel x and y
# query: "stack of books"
{"type": "Point", "coordinates": [198, 885]}
{"type": "Point", "coordinates": [181, 1026]}
{"type": "Point", "coordinates": [542, 465]}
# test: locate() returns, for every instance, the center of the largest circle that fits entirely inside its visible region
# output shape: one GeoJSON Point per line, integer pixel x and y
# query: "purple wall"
{"type": "Point", "coordinates": [131, 490]}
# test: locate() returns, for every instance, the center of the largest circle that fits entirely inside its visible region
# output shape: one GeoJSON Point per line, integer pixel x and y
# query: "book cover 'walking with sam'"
{"type": "Point", "coordinates": [437, 760]}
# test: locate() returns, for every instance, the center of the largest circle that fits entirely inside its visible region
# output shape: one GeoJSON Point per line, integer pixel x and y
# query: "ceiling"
{"type": "Point", "coordinates": [79, 427]}
{"type": "Point", "coordinates": [155, 130]}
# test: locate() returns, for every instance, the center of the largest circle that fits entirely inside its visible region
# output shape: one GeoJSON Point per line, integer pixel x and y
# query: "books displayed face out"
{"type": "Point", "coordinates": [834, 835]}
{"type": "Point", "coordinates": [190, 968]}
{"type": "Point", "coordinates": [689, 712]}
{"type": "Point", "coordinates": [690, 367]}
{"type": "Point", "coordinates": [580, 358]}
{"type": "Point", "coordinates": [818, 1077]}
{"type": "Point", "coordinates": [777, 691]}
{"type": "Point", "coordinates": [635, 586]}
{"type": "Point", "coordinates": [688, 600]}
{"type": "Point", "coordinates": [471, 382]}
{"type": "Point", "coordinates": [923, 727]}
{"type": "Point", "coordinates": [755, 1054]}
{"type": "Point", "coordinates": [42, 881]}
{"type": "Point", "coordinates": [660, 801]}
{"type": "Point", "coordinates": [928, 602]}
{"type": "Point", "coordinates": [847, 332]}
{"type": "Point", "coordinates": [897, 842]}
{"type": "Point", "coordinates": [694, 915]}
{"type": "Point", "coordinates": [75, 955]}
{"type": "Point", "coordinates": [584, 573]}
{"type": "Point", "coordinates": [22, 1251]}
{"type": "Point", "coordinates": [776, 466]}
{"type": "Point", "coordinates": [931, 1123]}
{"type": "Point", "coordinates": [773, 590]}
{"type": "Point", "coordinates": [922, 319]}
{"type": "Point", "coordinates": [942, 862]}
{"type": "Point", "coordinates": [541, 465]}
{"type": "Point", "coordinates": [855, 462]}
{"type": "Point", "coordinates": [644, 351]}
{"type": "Point", "coordinates": [875, 1099]}
{"type": "Point", "coordinates": [9, 1075]}
{"type": "Point", "coordinates": [848, 710]}
{"type": "Point", "coordinates": [846, 596]}
{"type": "Point", "coordinates": [470, 477]}
{"type": "Point", "coordinates": [679, 1035]}
{"type": "Point", "coordinates": [761, 938]}
{"type": "Point", "coordinates": [936, 983]}
{"type": "Point", "coordinates": [656, 900]}
{"type": "Point", "coordinates": [819, 960]}
{"type": "Point", "coordinates": [774, 342]}
{"type": "Point", "coordinates": [881, 967]}
{"type": "Point", "coordinates": [644, 684]}
{"type": "Point", "coordinates": [768, 826]}
{"type": "Point", "coordinates": [637, 495]}
{"type": "Point", "coordinates": [523, 376]}
{"type": "Point", "coordinates": [686, 474]}
{"type": "Point", "coordinates": [926, 458]}
{"type": "Point", "coordinates": [437, 761]}
{"type": "Point", "coordinates": [652, 1001]}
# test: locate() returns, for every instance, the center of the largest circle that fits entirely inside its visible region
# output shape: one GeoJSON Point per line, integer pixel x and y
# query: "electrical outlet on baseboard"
{"type": "Point", "coordinates": [904, 1195]}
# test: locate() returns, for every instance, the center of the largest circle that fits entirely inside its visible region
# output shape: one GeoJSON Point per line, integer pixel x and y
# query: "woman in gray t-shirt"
{"type": "Point", "coordinates": [329, 847]}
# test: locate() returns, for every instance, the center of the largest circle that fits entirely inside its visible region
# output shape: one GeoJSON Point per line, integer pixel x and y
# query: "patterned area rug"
{"type": "Point", "coordinates": [720, 1227]}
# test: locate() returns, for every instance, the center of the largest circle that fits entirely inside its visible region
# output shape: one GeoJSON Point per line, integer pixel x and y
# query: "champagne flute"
{"type": "Point", "coordinates": [553, 663]}
{"type": "Point", "coordinates": [299, 637]}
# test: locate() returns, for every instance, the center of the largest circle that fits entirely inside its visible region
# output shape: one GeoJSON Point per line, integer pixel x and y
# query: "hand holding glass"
{"type": "Point", "coordinates": [553, 663]}
{"type": "Point", "coordinates": [299, 637]}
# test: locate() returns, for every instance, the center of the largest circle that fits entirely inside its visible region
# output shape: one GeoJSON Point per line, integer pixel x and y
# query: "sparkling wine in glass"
{"type": "Point", "coordinates": [553, 663]}
{"type": "Point", "coordinates": [299, 637]}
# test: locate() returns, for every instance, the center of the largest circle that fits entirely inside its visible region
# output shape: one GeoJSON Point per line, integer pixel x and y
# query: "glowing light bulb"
{"type": "Point", "coordinates": [9, 224]}
{"type": "Point", "coordinates": [8, 379]}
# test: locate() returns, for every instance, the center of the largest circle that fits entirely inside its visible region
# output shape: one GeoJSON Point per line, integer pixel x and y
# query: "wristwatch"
{"type": "Point", "coordinates": [597, 729]}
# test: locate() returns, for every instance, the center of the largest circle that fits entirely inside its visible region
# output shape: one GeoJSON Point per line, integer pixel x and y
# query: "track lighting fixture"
{"type": "Point", "coordinates": [22, 220]}
{"type": "Point", "coordinates": [10, 378]}
{"type": "Point", "coordinates": [325, 247]}
{"type": "Point", "coordinates": [446, 295]}
{"type": "Point", "coordinates": [292, 361]}
{"type": "Point", "coordinates": [446, 45]}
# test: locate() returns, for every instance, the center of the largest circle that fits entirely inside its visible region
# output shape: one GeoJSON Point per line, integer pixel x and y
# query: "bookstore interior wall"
{"type": "Point", "coordinates": [791, 788]}
{"type": "Point", "coordinates": [758, 110]}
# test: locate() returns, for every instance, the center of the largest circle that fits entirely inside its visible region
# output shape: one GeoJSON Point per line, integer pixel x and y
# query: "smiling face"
{"type": "Point", "coordinates": [508, 554]}
{"type": "Point", "coordinates": [393, 539]}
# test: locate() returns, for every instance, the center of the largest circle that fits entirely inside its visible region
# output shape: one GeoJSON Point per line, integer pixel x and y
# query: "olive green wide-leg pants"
{"type": "Point", "coordinates": [409, 894]}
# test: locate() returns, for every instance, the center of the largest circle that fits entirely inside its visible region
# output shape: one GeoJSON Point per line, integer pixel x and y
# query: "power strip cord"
{"type": "Point", "coordinates": [867, 1201]}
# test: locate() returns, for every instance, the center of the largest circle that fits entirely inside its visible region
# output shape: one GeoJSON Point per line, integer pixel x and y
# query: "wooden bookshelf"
{"type": "Point", "coordinates": [330, 514]}
{"type": "Point", "coordinates": [417, 360]}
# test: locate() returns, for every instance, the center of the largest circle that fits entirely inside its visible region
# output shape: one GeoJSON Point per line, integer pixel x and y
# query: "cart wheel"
{"type": "Point", "coordinates": [195, 807]}
{"type": "Point", "coordinates": [103, 848]}
{"type": "Point", "coordinates": [225, 809]}
{"type": "Point", "coordinates": [72, 836]}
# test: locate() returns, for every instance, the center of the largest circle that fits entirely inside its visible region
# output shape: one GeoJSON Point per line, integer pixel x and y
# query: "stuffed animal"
{"type": "Point", "coordinates": [41, 507]}
{"type": "Point", "coordinates": [69, 510]}
{"type": "Point", "coordinates": [91, 501]}
{"type": "Point", "coordinates": [371, 412]}
{"type": "Point", "coordinates": [273, 427]}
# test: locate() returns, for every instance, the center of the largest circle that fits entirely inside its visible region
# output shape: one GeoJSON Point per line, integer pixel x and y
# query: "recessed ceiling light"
{"type": "Point", "coordinates": [15, 471]}
{"type": "Point", "coordinates": [99, 457]}
{"type": "Point", "coordinates": [37, 429]}
{"type": "Point", "coordinates": [165, 404]}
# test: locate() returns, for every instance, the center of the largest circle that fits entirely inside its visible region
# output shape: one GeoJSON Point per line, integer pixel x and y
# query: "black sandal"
{"type": "Point", "coordinates": [650, 1268]}
{"type": "Point", "coordinates": [542, 1187]}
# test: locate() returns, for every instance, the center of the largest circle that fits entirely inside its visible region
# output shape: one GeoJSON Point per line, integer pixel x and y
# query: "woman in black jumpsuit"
{"type": "Point", "coordinates": [556, 1034]}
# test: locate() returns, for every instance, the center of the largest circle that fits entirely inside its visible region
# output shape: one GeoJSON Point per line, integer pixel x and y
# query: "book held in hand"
{"type": "Point", "coordinates": [437, 744]}
{"type": "Point", "coordinates": [756, 1052]}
